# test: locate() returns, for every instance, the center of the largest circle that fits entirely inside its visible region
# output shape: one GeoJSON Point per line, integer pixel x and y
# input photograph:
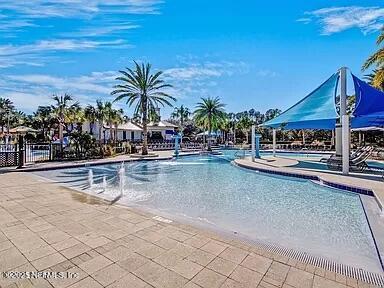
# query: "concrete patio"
{"type": "Point", "coordinates": [45, 227]}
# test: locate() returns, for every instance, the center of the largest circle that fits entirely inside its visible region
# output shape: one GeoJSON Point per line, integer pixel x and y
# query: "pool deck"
{"type": "Point", "coordinates": [285, 165]}
{"type": "Point", "coordinates": [45, 227]}
{"type": "Point", "coordinates": [162, 155]}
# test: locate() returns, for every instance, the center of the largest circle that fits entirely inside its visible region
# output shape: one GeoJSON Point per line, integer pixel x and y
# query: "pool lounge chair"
{"type": "Point", "coordinates": [357, 162]}
{"type": "Point", "coordinates": [355, 154]}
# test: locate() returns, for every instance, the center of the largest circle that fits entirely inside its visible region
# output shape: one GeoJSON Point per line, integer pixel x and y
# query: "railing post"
{"type": "Point", "coordinates": [21, 151]}
{"type": "Point", "coordinates": [253, 142]}
{"type": "Point", "coordinates": [274, 142]}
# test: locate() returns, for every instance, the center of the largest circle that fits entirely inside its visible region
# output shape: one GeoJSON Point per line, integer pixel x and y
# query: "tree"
{"type": "Point", "coordinates": [90, 113]}
{"type": "Point", "coordinates": [42, 117]}
{"type": "Point", "coordinates": [376, 78]}
{"type": "Point", "coordinates": [109, 118]}
{"type": "Point", "coordinates": [245, 123]}
{"type": "Point", "coordinates": [6, 110]}
{"type": "Point", "coordinates": [181, 113]}
{"type": "Point", "coordinates": [209, 113]}
{"type": "Point", "coordinates": [117, 119]}
{"type": "Point", "coordinates": [376, 60]}
{"type": "Point", "coordinates": [100, 116]}
{"type": "Point", "coordinates": [271, 113]}
{"type": "Point", "coordinates": [144, 90]}
{"type": "Point", "coordinates": [60, 108]}
{"type": "Point", "coordinates": [75, 117]}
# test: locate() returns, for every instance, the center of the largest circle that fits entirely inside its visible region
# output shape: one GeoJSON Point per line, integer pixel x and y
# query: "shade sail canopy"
{"type": "Point", "coordinates": [369, 101]}
{"type": "Point", "coordinates": [367, 121]}
{"type": "Point", "coordinates": [369, 108]}
{"type": "Point", "coordinates": [315, 111]}
{"type": "Point", "coordinates": [22, 130]}
{"type": "Point", "coordinates": [372, 128]}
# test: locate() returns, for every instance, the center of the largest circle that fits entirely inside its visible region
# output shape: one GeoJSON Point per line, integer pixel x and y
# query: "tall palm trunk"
{"type": "Point", "coordinates": [61, 132]}
{"type": "Point", "coordinates": [145, 128]}
{"type": "Point", "coordinates": [110, 133]}
{"type": "Point", "coordinates": [100, 131]}
{"type": "Point", "coordinates": [116, 131]}
{"type": "Point", "coordinates": [209, 132]}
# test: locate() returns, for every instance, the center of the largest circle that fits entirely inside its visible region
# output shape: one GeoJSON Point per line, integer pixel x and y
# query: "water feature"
{"type": "Point", "coordinates": [104, 185]}
{"type": "Point", "coordinates": [90, 178]}
{"type": "Point", "coordinates": [208, 190]}
{"type": "Point", "coordinates": [121, 174]}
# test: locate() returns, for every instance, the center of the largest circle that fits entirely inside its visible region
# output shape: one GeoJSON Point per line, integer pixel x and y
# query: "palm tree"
{"type": "Point", "coordinates": [245, 123]}
{"type": "Point", "coordinates": [376, 78]}
{"type": "Point", "coordinates": [62, 104]}
{"type": "Point", "coordinates": [117, 119]}
{"type": "Point", "coordinates": [209, 113]}
{"type": "Point", "coordinates": [74, 115]}
{"type": "Point", "coordinates": [181, 113]}
{"type": "Point", "coordinates": [6, 110]}
{"type": "Point", "coordinates": [100, 116]}
{"type": "Point", "coordinates": [109, 117]}
{"type": "Point", "coordinates": [143, 89]}
{"type": "Point", "coordinates": [376, 60]}
{"type": "Point", "coordinates": [42, 118]}
{"type": "Point", "coordinates": [90, 113]}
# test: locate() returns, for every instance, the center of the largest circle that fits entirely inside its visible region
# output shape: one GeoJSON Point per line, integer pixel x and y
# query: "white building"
{"type": "Point", "coordinates": [125, 132]}
{"type": "Point", "coordinates": [163, 129]}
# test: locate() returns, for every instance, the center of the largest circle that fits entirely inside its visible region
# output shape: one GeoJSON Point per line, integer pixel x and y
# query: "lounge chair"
{"type": "Point", "coordinates": [355, 154]}
{"type": "Point", "coordinates": [357, 161]}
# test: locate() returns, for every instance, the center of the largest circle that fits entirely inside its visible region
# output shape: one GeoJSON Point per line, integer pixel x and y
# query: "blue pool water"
{"type": "Point", "coordinates": [209, 190]}
{"type": "Point", "coordinates": [230, 153]}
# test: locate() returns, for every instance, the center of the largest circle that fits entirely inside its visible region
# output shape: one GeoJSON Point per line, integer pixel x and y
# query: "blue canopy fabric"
{"type": "Point", "coordinates": [369, 101]}
{"type": "Point", "coordinates": [315, 111]}
{"type": "Point", "coordinates": [367, 121]}
{"type": "Point", "coordinates": [369, 108]}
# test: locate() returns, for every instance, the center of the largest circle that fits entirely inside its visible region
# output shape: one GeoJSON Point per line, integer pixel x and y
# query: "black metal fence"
{"type": "Point", "coordinates": [9, 155]}
{"type": "Point", "coordinates": [12, 155]}
{"type": "Point", "coordinates": [38, 152]}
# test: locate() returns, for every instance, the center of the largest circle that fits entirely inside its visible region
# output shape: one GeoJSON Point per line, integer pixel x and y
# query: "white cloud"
{"type": "Point", "coordinates": [78, 8]}
{"type": "Point", "coordinates": [205, 70]}
{"type": "Point", "coordinates": [195, 79]}
{"type": "Point", "coordinates": [37, 54]}
{"type": "Point", "coordinates": [337, 19]}
{"type": "Point", "coordinates": [31, 90]}
{"type": "Point", "coordinates": [15, 25]}
{"type": "Point", "coordinates": [56, 45]}
{"type": "Point", "coordinates": [266, 73]}
{"type": "Point", "coordinates": [103, 30]}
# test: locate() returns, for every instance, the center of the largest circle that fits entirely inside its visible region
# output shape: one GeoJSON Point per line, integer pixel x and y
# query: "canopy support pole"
{"type": "Point", "coordinates": [345, 129]}
{"type": "Point", "coordinates": [345, 143]}
{"type": "Point", "coordinates": [274, 142]}
{"type": "Point", "coordinates": [253, 142]}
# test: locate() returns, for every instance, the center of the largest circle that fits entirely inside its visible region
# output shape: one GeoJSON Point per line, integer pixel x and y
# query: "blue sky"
{"type": "Point", "coordinates": [252, 54]}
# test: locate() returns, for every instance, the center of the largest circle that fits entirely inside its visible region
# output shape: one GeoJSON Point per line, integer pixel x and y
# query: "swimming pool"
{"type": "Point", "coordinates": [209, 190]}
{"type": "Point", "coordinates": [230, 153]}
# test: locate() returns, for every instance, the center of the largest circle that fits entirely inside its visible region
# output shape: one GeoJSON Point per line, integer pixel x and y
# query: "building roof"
{"type": "Point", "coordinates": [161, 125]}
{"type": "Point", "coordinates": [129, 126]}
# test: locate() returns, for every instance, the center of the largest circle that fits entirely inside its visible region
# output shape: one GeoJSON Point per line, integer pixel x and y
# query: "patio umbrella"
{"type": "Point", "coordinates": [23, 130]}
